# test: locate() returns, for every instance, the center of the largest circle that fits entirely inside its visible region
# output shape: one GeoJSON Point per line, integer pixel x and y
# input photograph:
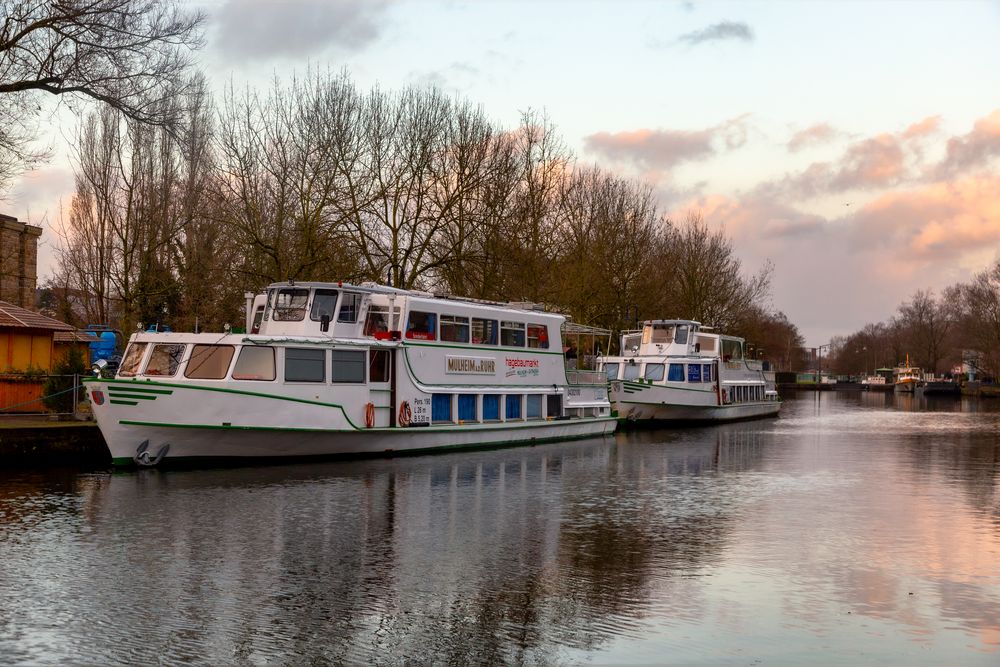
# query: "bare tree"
{"type": "Point", "coordinates": [926, 326]}
{"type": "Point", "coordinates": [131, 55]}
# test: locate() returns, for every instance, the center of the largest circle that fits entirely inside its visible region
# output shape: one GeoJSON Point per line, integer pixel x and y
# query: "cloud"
{"type": "Point", "coordinates": [663, 149]}
{"type": "Point", "coordinates": [820, 133]}
{"type": "Point", "coordinates": [718, 32]}
{"type": "Point", "coordinates": [261, 29]}
{"type": "Point", "coordinates": [976, 149]}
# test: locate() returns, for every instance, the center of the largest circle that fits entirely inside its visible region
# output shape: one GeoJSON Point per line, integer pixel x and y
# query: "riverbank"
{"type": "Point", "coordinates": [40, 441]}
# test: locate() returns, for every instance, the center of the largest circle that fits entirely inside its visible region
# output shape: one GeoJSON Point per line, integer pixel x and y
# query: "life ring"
{"type": "Point", "coordinates": [404, 414]}
{"type": "Point", "coordinates": [370, 415]}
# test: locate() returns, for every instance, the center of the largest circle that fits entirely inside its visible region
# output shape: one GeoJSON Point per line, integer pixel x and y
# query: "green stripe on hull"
{"type": "Point", "coordinates": [141, 397]}
{"type": "Point", "coordinates": [116, 402]}
{"type": "Point", "coordinates": [397, 429]}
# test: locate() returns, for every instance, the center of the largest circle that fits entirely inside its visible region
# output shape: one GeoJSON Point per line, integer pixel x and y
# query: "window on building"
{"type": "Point", "coordinates": [350, 306]}
{"type": "Point", "coordinates": [676, 373]}
{"type": "Point", "coordinates": [538, 336]}
{"type": "Point", "coordinates": [254, 363]}
{"type": "Point", "coordinates": [421, 326]}
{"type": "Point", "coordinates": [209, 362]}
{"type": "Point", "coordinates": [512, 334]}
{"type": "Point", "coordinates": [290, 304]}
{"type": "Point", "coordinates": [454, 329]}
{"type": "Point", "coordinates": [533, 406]}
{"type": "Point", "coordinates": [611, 370]}
{"type": "Point", "coordinates": [467, 407]}
{"type": "Point", "coordinates": [632, 371]}
{"type": "Point", "coordinates": [440, 408]}
{"type": "Point", "coordinates": [348, 366]}
{"type": "Point", "coordinates": [130, 362]}
{"type": "Point", "coordinates": [694, 372]}
{"type": "Point", "coordinates": [164, 360]}
{"type": "Point", "coordinates": [654, 372]}
{"type": "Point", "coordinates": [304, 364]}
{"type": "Point", "coordinates": [324, 303]}
{"type": "Point", "coordinates": [484, 332]}
{"type": "Point", "coordinates": [491, 407]}
{"type": "Point", "coordinates": [513, 406]}
{"type": "Point", "coordinates": [378, 365]}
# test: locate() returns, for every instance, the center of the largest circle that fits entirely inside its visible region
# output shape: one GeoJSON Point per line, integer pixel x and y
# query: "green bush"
{"type": "Point", "coordinates": [57, 398]}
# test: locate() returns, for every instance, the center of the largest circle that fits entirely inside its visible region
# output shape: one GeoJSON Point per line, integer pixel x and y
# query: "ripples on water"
{"type": "Point", "coordinates": [851, 530]}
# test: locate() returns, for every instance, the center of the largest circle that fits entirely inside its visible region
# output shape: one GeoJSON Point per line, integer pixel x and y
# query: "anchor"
{"type": "Point", "coordinates": [142, 457]}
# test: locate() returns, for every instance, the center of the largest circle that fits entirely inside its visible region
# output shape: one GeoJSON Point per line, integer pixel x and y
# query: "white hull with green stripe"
{"type": "Point", "coordinates": [676, 371]}
{"type": "Point", "coordinates": [325, 371]}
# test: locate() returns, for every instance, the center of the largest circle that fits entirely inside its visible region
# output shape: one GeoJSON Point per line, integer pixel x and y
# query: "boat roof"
{"type": "Point", "coordinates": [698, 324]}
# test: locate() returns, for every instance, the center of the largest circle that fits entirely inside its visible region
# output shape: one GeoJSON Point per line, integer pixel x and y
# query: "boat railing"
{"type": "Point", "coordinates": [586, 377]}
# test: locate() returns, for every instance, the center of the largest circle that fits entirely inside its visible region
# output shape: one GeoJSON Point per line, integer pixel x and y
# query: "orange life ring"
{"type": "Point", "coordinates": [370, 415]}
{"type": "Point", "coordinates": [404, 414]}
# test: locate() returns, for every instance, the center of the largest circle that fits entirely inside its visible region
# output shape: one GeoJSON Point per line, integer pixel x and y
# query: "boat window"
{"type": "Point", "coordinates": [732, 350]}
{"type": "Point", "coordinates": [378, 366]}
{"type": "Point", "coordinates": [348, 366]}
{"type": "Point", "coordinates": [706, 373]}
{"type": "Point", "coordinates": [454, 329]}
{"type": "Point", "coordinates": [209, 362]}
{"type": "Point", "coordinates": [324, 303]}
{"type": "Point", "coordinates": [538, 336]}
{"type": "Point", "coordinates": [681, 337]}
{"type": "Point", "coordinates": [255, 363]}
{"type": "Point", "coordinates": [533, 406]}
{"type": "Point", "coordinates": [467, 407]}
{"type": "Point", "coordinates": [630, 342]}
{"type": "Point", "coordinates": [512, 334]}
{"type": "Point", "coordinates": [694, 372]}
{"type": "Point", "coordinates": [513, 406]}
{"type": "Point", "coordinates": [421, 326]}
{"type": "Point", "coordinates": [611, 370]}
{"type": "Point", "coordinates": [654, 372]}
{"type": "Point", "coordinates": [491, 407]}
{"type": "Point", "coordinates": [350, 306]}
{"type": "Point", "coordinates": [258, 317]}
{"type": "Point", "coordinates": [130, 362]}
{"type": "Point", "coordinates": [440, 408]}
{"type": "Point", "coordinates": [377, 321]}
{"type": "Point", "coordinates": [484, 332]}
{"type": "Point", "coordinates": [303, 364]}
{"type": "Point", "coordinates": [676, 373]}
{"type": "Point", "coordinates": [290, 304]}
{"type": "Point", "coordinates": [631, 371]}
{"type": "Point", "coordinates": [553, 406]}
{"type": "Point", "coordinates": [164, 360]}
{"type": "Point", "coordinates": [663, 334]}
{"type": "Point", "coordinates": [706, 343]}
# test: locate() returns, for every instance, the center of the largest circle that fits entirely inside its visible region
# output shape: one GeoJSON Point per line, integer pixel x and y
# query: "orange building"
{"type": "Point", "coordinates": [27, 340]}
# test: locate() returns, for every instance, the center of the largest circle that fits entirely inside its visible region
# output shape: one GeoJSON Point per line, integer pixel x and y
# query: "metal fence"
{"type": "Point", "coordinates": [33, 395]}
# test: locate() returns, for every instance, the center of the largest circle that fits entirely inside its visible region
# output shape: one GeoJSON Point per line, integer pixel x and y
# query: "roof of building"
{"type": "Point", "coordinates": [17, 317]}
{"type": "Point", "coordinates": [76, 336]}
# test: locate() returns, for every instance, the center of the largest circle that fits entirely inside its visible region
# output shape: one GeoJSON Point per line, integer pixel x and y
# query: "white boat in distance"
{"type": "Point", "coordinates": [907, 378]}
{"type": "Point", "coordinates": [326, 370]}
{"type": "Point", "coordinates": [676, 370]}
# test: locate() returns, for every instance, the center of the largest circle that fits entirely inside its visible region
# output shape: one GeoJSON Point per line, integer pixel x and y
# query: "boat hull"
{"type": "Point", "coordinates": [905, 387]}
{"type": "Point", "coordinates": [638, 413]}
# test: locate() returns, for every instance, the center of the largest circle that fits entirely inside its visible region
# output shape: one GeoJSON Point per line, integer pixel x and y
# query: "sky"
{"type": "Point", "coordinates": [854, 145]}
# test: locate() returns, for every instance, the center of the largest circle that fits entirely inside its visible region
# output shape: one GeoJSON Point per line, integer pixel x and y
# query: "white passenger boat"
{"type": "Point", "coordinates": [677, 370]}
{"type": "Point", "coordinates": [326, 369]}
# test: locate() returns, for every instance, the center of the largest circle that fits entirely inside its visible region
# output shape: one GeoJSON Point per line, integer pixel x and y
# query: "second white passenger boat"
{"type": "Point", "coordinates": [326, 369]}
{"type": "Point", "coordinates": [676, 371]}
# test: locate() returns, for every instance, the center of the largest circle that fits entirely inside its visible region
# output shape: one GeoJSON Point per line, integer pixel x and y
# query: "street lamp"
{"type": "Point", "coordinates": [819, 362]}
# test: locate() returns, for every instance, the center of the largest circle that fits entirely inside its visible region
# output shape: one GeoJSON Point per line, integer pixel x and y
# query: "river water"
{"type": "Point", "coordinates": [854, 529]}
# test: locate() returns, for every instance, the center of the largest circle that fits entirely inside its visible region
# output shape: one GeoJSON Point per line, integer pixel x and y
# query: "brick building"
{"type": "Point", "coordinates": [18, 261]}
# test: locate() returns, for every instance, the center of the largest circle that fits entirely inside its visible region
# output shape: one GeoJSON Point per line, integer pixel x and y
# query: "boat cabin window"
{"type": "Point", "coordinates": [324, 303]}
{"type": "Point", "coordinates": [491, 407]}
{"type": "Point", "coordinates": [209, 362]}
{"type": "Point", "coordinates": [706, 343]}
{"type": "Point", "coordinates": [732, 350]}
{"type": "Point", "coordinates": [130, 362]}
{"type": "Point", "coordinates": [513, 406]}
{"type": "Point", "coordinates": [533, 404]}
{"type": "Point", "coordinates": [654, 372]}
{"type": "Point", "coordinates": [255, 363]}
{"type": "Point", "coordinates": [377, 321]}
{"type": "Point", "coordinates": [512, 334]}
{"type": "Point", "coordinates": [681, 336]}
{"type": "Point", "coordinates": [631, 371]}
{"type": "Point", "coordinates": [484, 332]}
{"type": "Point", "coordinates": [258, 317]}
{"type": "Point", "coordinates": [348, 366]}
{"type": "Point", "coordinates": [694, 372]}
{"type": "Point", "coordinates": [662, 334]}
{"type": "Point", "coordinates": [350, 306]}
{"type": "Point", "coordinates": [290, 304]}
{"type": "Point", "coordinates": [538, 336]}
{"type": "Point", "coordinates": [676, 373]}
{"type": "Point", "coordinates": [553, 405]}
{"type": "Point", "coordinates": [421, 325]}
{"type": "Point", "coordinates": [378, 366]}
{"type": "Point", "coordinates": [706, 373]}
{"type": "Point", "coordinates": [440, 408]}
{"type": "Point", "coordinates": [454, 329]}
{"type": "Point", "coordinates": [611, 370]}
{"type": "Point", "coordinates": [164, 360]}
{"type": "Point", "coordinates": [467, 408]}
{"type": "Point", "coordinates": [305, 364]}
{"type": "Point", "coordinates": [631, 341]}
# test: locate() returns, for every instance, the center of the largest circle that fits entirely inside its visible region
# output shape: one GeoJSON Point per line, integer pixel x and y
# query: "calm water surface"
{"type": "Point", "coordinates": [853, 530]}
